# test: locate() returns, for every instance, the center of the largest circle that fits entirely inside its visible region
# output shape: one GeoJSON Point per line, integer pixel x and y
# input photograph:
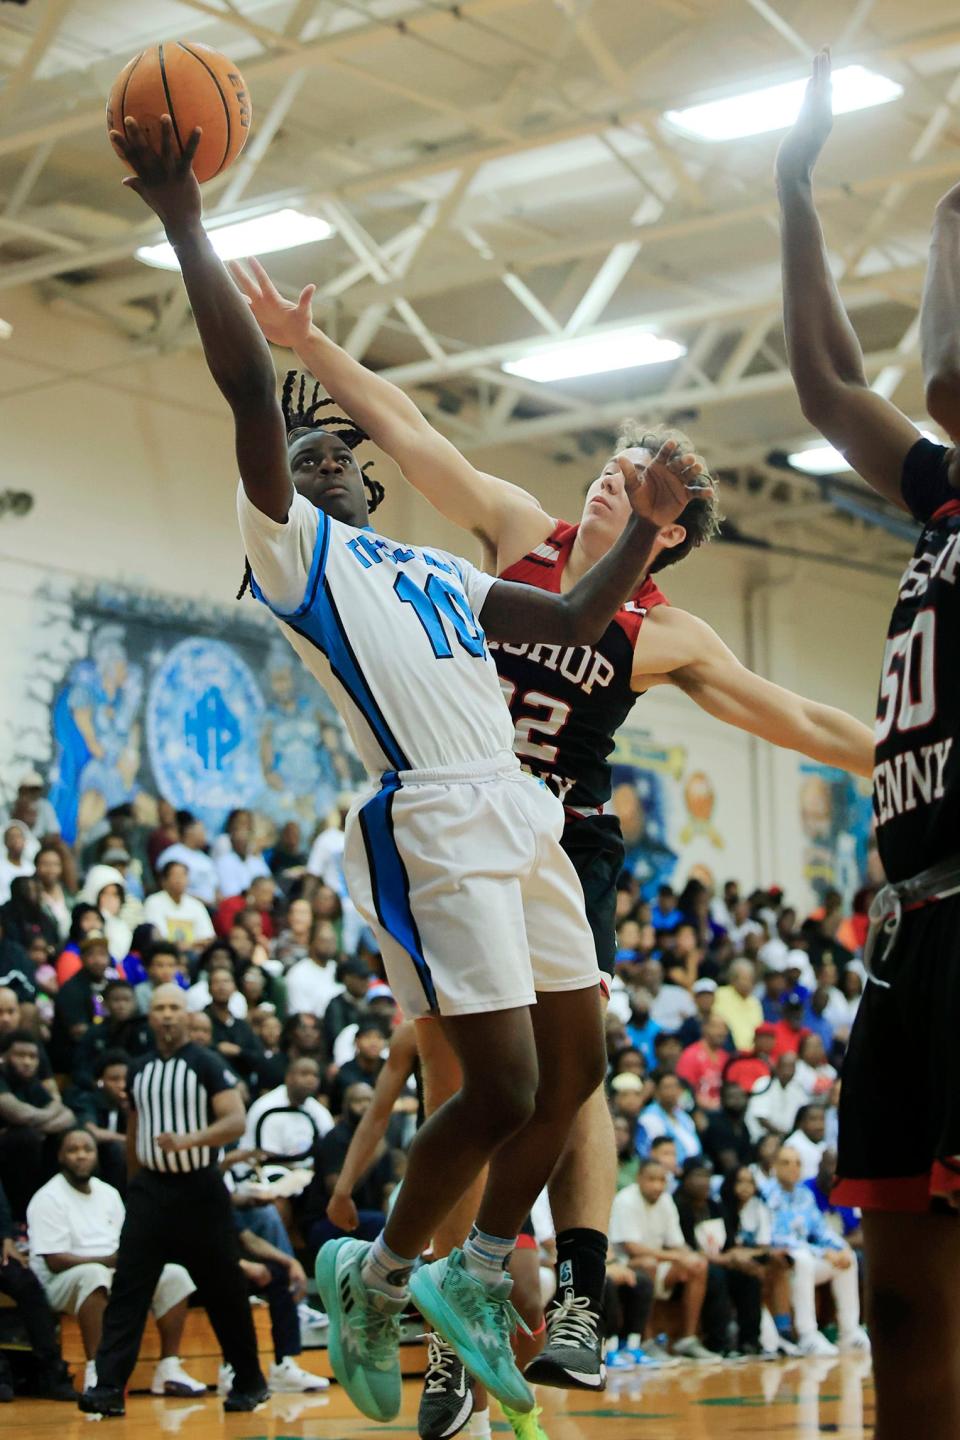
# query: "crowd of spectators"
{"type": "Point", "coordinates": [281, 978]}
{"type": "Point", "coordinates": [727, 1022]}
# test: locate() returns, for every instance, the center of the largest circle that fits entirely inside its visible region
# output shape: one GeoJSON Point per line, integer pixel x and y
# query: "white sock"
{"type": "Point", "coordinates": [479, 1425]}
{"type": "Point", "coordinates": [486, 1257]}
{"type": "Point", "coordinates": [385, 1271]}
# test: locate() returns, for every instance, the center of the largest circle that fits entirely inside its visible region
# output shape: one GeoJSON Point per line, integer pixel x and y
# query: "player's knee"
{"type": "Point", "coordinates": [506, 1102]}
{"type": "Point", "coordinates": [593, 1071]}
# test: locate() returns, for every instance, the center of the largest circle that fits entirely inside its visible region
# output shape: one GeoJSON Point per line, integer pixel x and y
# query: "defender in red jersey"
{"type": "Point", "coordinates": [566, 706]}
{"type": "Point", "coordinates": [900, 1106]}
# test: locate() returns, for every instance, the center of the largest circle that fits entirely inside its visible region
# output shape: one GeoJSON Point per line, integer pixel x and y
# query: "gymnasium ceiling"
{"type": "Point", "coordinates": [499, 172]}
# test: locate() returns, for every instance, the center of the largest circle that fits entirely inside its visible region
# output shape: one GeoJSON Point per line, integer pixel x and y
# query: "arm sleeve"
{"type": "Point", "coordinates": [215, 1074]}
{"type": "Point", "coordinates": [49, 1229]}
{"type": "Point", "coordinates": [818, 1231]}
{"type": "Point", "coordinates": [674, 1230]}
{"type": "Point", "coordinates": [780, 1233]}
{"type": "Point", "coordinates": [687, 1226]}
{"type": "Point", "coordinates": [925, 482]}
{"type": "Point", "coordinates": [619, 1228]}
{"type": "Point", "coordinates": [280, 555]}
{"type": "Point", "coordinates": [476, 585]}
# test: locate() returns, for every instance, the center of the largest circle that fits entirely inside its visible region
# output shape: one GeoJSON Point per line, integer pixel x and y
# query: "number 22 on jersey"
{"type": "Point", "coordinates": [557, 715]}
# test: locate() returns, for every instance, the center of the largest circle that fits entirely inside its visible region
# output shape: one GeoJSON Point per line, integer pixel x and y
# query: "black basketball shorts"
{"type": "Point", "coordinates": [595, 846]}
{"type": "Point", "coordinates": [900, 1098]}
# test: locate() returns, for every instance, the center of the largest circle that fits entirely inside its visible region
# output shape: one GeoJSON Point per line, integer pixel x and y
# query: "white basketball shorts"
{"type": "Point", "coordinates": [461, 876]}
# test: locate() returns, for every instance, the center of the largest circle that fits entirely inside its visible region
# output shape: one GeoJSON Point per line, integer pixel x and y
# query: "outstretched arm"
{"type": "Point", "coordinates": [940, 317]}
{"type": "Point", "coordinates": [697, 661]}
{"type": "Point", "coordinates": [237, 354]}
{"type": "Point", "coordinates": [365, 1147]}
{"type": "Point", "coordinates": [477, 502]}
{"type": "Point", "coordinates": [522, 612]}
{"type": "Point", "coordinates": [823, 351]}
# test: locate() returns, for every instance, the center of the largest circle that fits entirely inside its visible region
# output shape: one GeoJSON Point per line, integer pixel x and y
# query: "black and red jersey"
{"type": "Point", "coordinates": [567, 702]}
{"type": "Point", "coordinates": [916, 778]}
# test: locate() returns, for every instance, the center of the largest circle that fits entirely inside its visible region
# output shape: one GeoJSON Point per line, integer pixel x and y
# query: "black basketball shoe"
{"type": "Point", "coordinates": [246, 1399]}
{"type": "Point", "coordinates": [102, 1400]}
{"type": "Point", "coordinates": [447, 1400]}
{"type": "Point", "coordinates": [572, 1358]}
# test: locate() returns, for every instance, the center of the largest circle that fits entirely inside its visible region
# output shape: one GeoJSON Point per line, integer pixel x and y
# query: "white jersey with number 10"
{"type": "Point", "coordinates": [391, 633]}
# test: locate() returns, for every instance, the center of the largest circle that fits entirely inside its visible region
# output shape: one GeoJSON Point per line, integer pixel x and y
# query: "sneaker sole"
{"type": "Point", "coordinates": [354, 1383]}
{"type": "Point", "coordinates": [458, 1423]}
{"type": "Point", "coordinates": [437, 1310]}
{"type": "Point", "coordinates": [545, 1371]}
{"type": "Point", "coordinates": [114, 1413]}
{"type": "Point", "coordinates": [277, 1387]}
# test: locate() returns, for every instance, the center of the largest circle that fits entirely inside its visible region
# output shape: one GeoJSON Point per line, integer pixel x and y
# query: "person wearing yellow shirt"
{"type": "Point", "coordinates": [738, 1005]}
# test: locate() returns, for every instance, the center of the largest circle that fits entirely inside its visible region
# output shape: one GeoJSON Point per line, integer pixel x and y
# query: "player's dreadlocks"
{"type": "Point", "coordinates": [300, 419]}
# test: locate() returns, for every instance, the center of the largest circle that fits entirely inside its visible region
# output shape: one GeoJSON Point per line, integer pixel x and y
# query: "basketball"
{"type": "Point", "coordinates": [194, 85]}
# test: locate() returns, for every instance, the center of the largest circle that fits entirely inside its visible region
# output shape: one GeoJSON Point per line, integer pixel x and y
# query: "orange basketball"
{"type": "Point", "coordinates": [194, 85]}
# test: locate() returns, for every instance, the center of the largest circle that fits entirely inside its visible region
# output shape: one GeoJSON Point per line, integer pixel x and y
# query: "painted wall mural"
{"type": "Point", "coordinates": [206, 706]}
{"type": "Point", "coordinates": [836, 821]}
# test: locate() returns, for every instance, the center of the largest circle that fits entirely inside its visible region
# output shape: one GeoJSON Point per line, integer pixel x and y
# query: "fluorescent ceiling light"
{"type": "Point", "coordinates": [280, 230]}
{"type": "Point", "coordinates": [595, 355]}
{"type": "Point", "coordinates": [822, 459]}
{"type": "Point", "coordinates": [777, 106]}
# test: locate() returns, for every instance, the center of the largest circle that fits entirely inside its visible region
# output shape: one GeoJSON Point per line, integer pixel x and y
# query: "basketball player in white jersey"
{"type": "Point", "coordinates": [454, 857]}
{"type": "Point", "coordinates": [565, 730]}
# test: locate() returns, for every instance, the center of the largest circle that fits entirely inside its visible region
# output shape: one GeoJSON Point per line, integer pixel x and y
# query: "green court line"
{"type": "Point", "coordinates": [756, 1402]}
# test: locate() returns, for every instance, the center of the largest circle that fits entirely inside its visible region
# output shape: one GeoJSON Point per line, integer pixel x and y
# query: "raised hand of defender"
{"type": "Point", "coordinates": [802, 144]}
{"type": "Point", "coordinates": [165, 180]}
{"type": "Point", "coordinates": [665, 486]}
{"type": "Point", "coordinates": [283, 322]}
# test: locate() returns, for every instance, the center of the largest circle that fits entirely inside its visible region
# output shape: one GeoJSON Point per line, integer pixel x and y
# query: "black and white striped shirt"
{"type": "Point", "coordinates": [174, 1095]}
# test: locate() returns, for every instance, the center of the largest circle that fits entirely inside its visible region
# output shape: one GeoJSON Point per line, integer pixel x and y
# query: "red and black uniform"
{"type": "Point", "coordinates": [900, 1141]}
{"type": "Point", "coordinates": [567, 703]}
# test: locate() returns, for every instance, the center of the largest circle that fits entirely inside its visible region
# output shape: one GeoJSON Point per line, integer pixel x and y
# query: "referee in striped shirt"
{"type": "Point", "coordinates": [185, 1105]}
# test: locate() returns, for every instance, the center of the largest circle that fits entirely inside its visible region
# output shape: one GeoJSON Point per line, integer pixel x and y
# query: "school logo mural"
{"type": "Point", "coordinates": [146, 696]}
{"type": "Point", "coordinates": [647, 797]}
{"type": "Point", "coordinates": [836, 818]}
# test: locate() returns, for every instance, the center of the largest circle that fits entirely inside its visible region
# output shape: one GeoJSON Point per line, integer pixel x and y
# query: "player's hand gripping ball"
{"type": "Point", "coordinates": [198, 88]}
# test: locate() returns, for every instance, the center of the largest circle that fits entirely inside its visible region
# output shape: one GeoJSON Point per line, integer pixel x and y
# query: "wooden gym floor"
{"type": "Point", "coordinates": [784, 1401]}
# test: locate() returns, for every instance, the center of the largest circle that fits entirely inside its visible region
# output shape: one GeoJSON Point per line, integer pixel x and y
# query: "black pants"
{"type": "Point", "coordinates": [284, 1321]}
{"type": "Point", "coordinates": [39, 1321]}
{"type": "Point", "coordinates": [626, 1308]}
{"type": "Point", "coordinates": [731, 1295]}
{"type": "Point", "coordinates": [185, 1220]}
{"type": "Point", "coordinates": [746, 1293]}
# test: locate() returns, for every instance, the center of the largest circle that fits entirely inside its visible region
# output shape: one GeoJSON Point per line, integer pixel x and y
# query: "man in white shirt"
{"type": "Point", "coordinates": [809, 1139]}
{"type": "Point", "coordinates": [14, 862]}
{"type": "Point", "coordinates": [645, 1232]}
{"type": "Point", "coordinates": [75, 1222]}
{"type": "Point", "coordinates": [326, 858]}
{"type": "Point", "coordinates": [178, 916]}
{"type": "Point", "coordinates": [672, 1004]}
{"type": "Point", "coordinates": [312, 982]}
{"type": "Point", "coordinates": [236, 866]}
{"type": "Point", "coordinates": [289, 1122]}
{"type": "Point", "coordinates": [190, 850]}
{"type": "Point", "coordinates": [773, 1111]}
